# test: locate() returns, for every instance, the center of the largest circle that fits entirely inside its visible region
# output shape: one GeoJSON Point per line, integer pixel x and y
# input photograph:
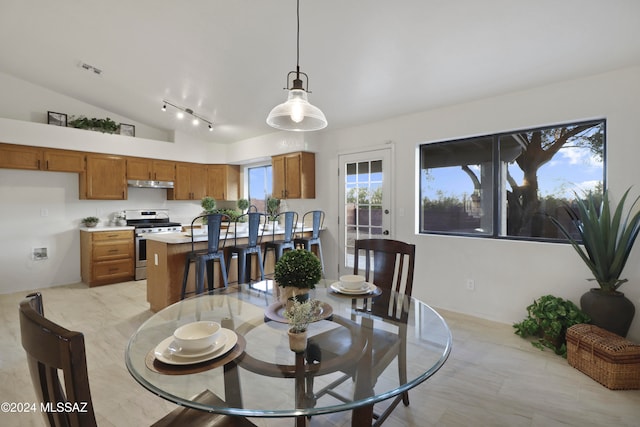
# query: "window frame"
{"type": "Point", "coordinates": [500, 187]}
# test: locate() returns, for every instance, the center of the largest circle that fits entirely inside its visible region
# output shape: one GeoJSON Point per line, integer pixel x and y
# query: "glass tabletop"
{"type": "Point", "coordinates": [256, 374]}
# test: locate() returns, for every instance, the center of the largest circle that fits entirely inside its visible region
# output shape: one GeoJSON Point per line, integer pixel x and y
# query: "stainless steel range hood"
{"type": "Point", "coordinates": [149, 184]}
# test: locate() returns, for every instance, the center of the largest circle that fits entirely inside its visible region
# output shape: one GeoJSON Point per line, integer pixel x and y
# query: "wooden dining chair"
{"type": "Point", "coordinates": [388, 264]}
{"type": "Point", "coordinates": [53, 350]}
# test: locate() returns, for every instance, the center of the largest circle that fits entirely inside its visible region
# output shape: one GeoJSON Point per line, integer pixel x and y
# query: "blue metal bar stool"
{"type": "Point", "coordinates": [279, 246]}
{"type": "Point", "coordinates": [317, 221]}
{"type": "Point", "coordinates": [206, 257]}
{"type": "Point", "coordinates": [245, 251]}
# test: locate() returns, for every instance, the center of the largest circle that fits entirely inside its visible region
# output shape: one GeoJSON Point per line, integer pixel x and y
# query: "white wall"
{"type": "Point", "coordinates": [508, 275]}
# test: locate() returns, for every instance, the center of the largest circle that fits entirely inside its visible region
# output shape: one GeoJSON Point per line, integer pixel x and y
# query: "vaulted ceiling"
{"type": "Point", "coordinates": [366, 59]}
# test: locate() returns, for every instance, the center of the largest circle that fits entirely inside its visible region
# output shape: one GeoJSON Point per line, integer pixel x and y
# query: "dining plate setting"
{"type": "Point", "coordinates": [170, 353]}
{"type": "Point", "coordinates": [366, 289]}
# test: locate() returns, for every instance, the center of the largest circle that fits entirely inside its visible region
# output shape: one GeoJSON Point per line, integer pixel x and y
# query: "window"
{"type": "Point", "coordinates": [260, 185]}
{"type": "Point", "coordinates": [507, 185]}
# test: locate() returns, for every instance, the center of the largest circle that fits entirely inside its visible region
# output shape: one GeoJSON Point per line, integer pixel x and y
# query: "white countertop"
{"type": "Point", "coordinates": [107, 228]}
{"type": "Point", "coordinates": [183, 237]}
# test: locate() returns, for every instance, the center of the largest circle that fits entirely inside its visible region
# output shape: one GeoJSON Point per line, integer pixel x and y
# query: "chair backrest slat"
{"type": "Point", "coordinates": [392, 270]}
{"type": "Point", "coordinates": [52, 349]}
{"type": "Point", "coordinates": [214, 224]}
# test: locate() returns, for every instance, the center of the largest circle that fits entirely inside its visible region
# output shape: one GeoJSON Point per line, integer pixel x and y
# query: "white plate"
{"type": "Point", "coordinates": [366, 289]}
{"type": "Point", "coordinates": [164, 355]}
{"type": "Point", "coordinates": [174, 349]}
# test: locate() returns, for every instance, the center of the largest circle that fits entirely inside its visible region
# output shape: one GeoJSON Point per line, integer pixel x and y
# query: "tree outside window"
{"type": "Point", "coordinates": [507, 185]}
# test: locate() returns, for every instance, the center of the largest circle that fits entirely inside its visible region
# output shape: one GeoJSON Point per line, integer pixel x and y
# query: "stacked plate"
{"type": "Point", "coordinates": [170, 352]}
{"type": "Point", "coordinates": [365, 289]}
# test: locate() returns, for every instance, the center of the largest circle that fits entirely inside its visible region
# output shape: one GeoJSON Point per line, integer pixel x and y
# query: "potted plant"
{"type": "Point", "coordinates": [90, 221]}
{"type": "Point", "coordinates": [101, 125]}
{"type": "Point", "coordinates": [299, 315]}
{"type": "Point", "coordinates": [272, 206]}
{"type": "Point", "coordinates": [548, 319]}
{"type": "Point", "coordinates": [296, 272]}
{"type": "Point", "coordinates": [208, 205]}
{"type": "Point", "coordinates": [243, 205]}
{"type": "Point", "coordinates": [607, 236]}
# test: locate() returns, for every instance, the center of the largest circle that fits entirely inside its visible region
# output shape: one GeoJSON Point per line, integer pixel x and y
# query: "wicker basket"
{"type": "Point", "coordinates": [606, 357]}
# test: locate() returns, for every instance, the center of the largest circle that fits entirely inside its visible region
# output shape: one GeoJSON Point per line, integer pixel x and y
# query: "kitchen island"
{"type": "Point", "coordinates": [166, 254]}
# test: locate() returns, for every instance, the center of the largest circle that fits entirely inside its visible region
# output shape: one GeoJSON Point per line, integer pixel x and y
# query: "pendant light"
{"type": "Point", "coordinates": [297, 114]}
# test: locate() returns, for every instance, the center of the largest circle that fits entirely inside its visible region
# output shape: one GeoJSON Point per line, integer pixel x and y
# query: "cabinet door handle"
{"type": "Point", "coordinates": [113, 251]}
{"type": "Point", "coordinates": [46, 165]}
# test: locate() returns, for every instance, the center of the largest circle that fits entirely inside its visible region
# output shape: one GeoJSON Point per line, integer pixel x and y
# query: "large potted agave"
{"type": "Point", "coordinates": [607, 235]}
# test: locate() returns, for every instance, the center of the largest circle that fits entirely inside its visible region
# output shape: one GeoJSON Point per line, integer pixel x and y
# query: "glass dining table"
{"type": "Point", "coordinates": [255, 374]}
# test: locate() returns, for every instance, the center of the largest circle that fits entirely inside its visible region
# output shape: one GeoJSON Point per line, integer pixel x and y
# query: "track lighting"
{"type": "Point", "coordinates": [181, 112]}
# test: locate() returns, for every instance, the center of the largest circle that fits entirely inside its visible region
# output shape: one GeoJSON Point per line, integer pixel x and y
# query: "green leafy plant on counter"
{"type": "Point", "coordinates": [208, 204]}
{"type": "Point", "coordinates": [243, 205]}
{"type": "Point", "coordinates": [548, 319]}
{"type": "Point", "coordinates": [101, 125]}
{"type": "Point", "coordinates": [90, 221]}
{"type": "Point", "coordinates": [273, 205]}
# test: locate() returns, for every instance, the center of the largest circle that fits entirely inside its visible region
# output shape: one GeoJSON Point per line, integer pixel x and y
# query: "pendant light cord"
{"type": "Point", "coordinates": [298, 40]}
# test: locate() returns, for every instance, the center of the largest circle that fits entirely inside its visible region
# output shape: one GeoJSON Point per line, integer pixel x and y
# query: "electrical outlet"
{"type": "Point", "coordinates": [471, 285]}
{"type": "Point", "coordinates": [39, 254]}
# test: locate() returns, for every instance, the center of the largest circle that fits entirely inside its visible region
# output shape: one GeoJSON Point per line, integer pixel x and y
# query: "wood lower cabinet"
{"type": "Point", "coordinates": [294, 175]}
{"type": "Point", "coordinates": [223, 182]}
{"type": "Point", "coordinates": [106, 257]}
{"type": "Point", "coordinates": [105, 178]}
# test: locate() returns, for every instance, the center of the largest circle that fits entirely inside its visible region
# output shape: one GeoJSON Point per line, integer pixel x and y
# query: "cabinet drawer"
{"type": "Point", "coordinates": [112, 250]}
{"type": "Point", "coordinates": [112, 270]}
{"type": "Point", "coordinates": [112, 235]}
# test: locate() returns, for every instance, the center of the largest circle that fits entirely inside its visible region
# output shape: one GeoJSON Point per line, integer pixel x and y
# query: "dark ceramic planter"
{"type": "Point", "coordinates": [609, 310]}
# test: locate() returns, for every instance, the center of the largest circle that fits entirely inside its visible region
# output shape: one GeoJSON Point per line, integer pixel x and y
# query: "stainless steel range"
{"type": "Point", "coordinates": [148, 221]}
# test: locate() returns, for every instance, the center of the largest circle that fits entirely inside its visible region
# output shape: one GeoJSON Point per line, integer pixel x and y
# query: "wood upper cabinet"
{"type": "Point", "coordinates": [157, 170]}
{"type": "Point", "coordinates": [63, 160]}
{"type": "Point", "coordinates": [294, 175]}
{"type": "Point", "coordinates": [40, 158]}
{"type": "Point", "coordinates": [190, 183]}
{"type": "Point", "coordinates": [105, 178]}
{"type": "Point", "coordinates": [223, 182]}
{"type": "Point", "coordinates": [20, 157]}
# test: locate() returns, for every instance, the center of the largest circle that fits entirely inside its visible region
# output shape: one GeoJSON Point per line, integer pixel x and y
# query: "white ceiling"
{"type": "Point", "coordinates": [366, 59]}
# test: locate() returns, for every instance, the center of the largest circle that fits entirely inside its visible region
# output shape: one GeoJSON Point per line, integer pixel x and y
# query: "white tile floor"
{"type": "Point", "coordinates": [492, 378]}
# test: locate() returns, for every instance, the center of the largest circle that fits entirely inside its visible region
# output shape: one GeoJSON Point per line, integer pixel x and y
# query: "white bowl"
{"type": "Point", "coordinates": [352, 281]}
{"type": "Point", "coordinates": [197, 335]}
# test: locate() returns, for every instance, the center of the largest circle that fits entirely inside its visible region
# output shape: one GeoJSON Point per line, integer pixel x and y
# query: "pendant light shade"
{"type": "Point", "coordinates": [297, 114]}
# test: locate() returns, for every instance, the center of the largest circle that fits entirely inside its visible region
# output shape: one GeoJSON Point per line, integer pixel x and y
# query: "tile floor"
{"type": "Point", "coordinates": [492, 378]}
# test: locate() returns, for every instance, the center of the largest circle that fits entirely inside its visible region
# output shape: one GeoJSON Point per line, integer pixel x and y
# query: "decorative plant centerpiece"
{"type": "Point", "coordinates": [100, 125]}
{"type": "Point", "coordinates": [296, 272]}
{"type": "Point", "coordinates": [607, 235]}
{"type": "Point", "coordinates": [548, 319]}
{"type": "Point", "coordinates": [299, 315]}
{"type": "Point", "coordinates": [90, 221]}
